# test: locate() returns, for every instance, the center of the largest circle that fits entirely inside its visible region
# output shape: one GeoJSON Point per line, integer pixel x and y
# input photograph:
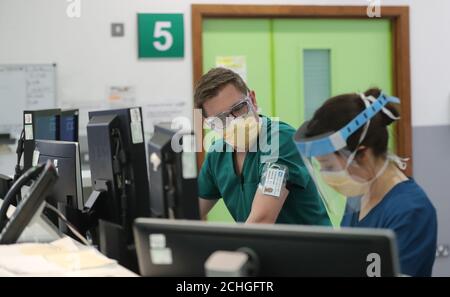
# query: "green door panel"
{"type": "Point", "coordinates": [242, 37]}
{"type": "Point", "coordinates": [360, 57]}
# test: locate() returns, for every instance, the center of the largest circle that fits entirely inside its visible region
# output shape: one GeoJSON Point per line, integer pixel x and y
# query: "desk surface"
{"type": "Point", "coordinates": [114, 270]}
{"type": "Point", "coordinates": [42, 231]}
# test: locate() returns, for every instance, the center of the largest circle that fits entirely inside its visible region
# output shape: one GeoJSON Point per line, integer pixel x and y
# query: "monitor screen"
{"type": "Point", "coordinates": [68, 128]}
{"type": "Point", "coordinates": [45, 127]}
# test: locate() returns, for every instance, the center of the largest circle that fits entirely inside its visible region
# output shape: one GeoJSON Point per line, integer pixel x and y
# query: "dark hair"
{"type": "Point", "coordinates": [337, 111]}
{"type": "Point", "coordinates": [213, 82]}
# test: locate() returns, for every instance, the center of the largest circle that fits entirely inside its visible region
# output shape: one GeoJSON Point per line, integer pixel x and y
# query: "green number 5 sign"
{"type": "Point", "coordinates": [160, 35]}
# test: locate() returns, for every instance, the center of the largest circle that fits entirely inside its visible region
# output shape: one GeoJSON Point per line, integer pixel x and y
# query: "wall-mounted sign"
{"type": "Point", "coordinates": [160, 35]}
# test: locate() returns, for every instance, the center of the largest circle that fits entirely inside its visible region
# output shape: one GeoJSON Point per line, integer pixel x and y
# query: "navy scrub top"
{"type": "Point", "coordinates": [407, 211]}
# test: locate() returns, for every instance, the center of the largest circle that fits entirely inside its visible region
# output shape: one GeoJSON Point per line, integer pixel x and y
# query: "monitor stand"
{"type": "Point", "coordinates": [110, 237]}
{"type": "Point", "coordinates": [114, 244]}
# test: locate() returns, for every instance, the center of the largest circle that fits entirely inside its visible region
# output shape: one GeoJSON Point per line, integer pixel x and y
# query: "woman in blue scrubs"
{"type": "Point", "coordinates": [345, 148]}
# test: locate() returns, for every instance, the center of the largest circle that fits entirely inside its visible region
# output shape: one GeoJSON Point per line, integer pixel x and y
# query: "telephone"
{"type": "Point", "coordinates": [46, 176]}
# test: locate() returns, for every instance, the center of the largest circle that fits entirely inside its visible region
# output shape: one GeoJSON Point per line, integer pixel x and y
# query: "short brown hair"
{"type": "Point", "coordinates": [213, 82]}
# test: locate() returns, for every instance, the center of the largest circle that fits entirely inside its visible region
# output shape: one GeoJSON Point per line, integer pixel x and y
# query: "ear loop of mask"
{"type": "Point", "coordinates": [402, 163]}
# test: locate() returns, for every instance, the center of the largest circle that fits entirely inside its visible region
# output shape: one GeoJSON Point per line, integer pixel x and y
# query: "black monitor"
{"type": "Point", "coordinates": [38, 125]}
{"type": "Point", "coordinates": [173, 174]}
{"type": "Point", "coordinates": [67, 194]}
{"type": "Point", "coordinates": [32, 202]}
{"type": "Point", "coordinates": [105, 129]}
{"type": "Point", "coordinates": [5, 139]}
{"type": "Point", "coordinates": [68, 125]}
{"type": "Point", "coordinates": [106, 172]}
{"type": "Point", "coordinates": [181, 248]}
{"type": "Point", "coordinates": [119, 176]}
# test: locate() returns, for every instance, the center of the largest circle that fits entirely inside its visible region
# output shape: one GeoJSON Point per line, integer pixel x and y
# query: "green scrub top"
{"type": "Point", "coordinates": [218, 178]}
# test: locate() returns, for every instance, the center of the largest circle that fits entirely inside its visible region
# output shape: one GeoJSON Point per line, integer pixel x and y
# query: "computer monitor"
{"type": "Point", "coordinates": [68, 125]}
{"type": "Point", "coordinates": [38, 125]}
{"type": "Point", "coordinates": [106, 172]}
{"type": "Point", "coordinates": [65, 156]}
{"type": "Point", "coordinates": [67, 194]}
{"type": "Point", "coordinates": [181, 248]}
{"type": "Point", "coordinates": [173, 174]}
{"type": "Point", "coordinates": [116, 139]}
{"type": "Point", "coordinates": [5, 139]}
{"type": "Point", "coordinates": [32, 203]}
{"type": "Point", "coordinates": [119, 179]}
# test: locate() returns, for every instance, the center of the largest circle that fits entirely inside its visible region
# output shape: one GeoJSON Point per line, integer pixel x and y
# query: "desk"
{"type": "Point", "coordinates": [41, 230]}
{"type": "Point", "coordinates": [114, 270]}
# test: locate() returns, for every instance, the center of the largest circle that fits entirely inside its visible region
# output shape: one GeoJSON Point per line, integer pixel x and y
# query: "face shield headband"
{"type": "Point", "coordinates": [335, 141]}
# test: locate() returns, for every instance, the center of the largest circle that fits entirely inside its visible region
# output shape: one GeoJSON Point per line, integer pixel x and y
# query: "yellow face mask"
{"type": "Point", "coordinates": [242, 132]}
{"type": "Point", "coordinates": [343, 183]}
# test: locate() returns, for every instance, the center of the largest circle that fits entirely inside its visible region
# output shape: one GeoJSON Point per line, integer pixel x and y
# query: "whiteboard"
{"type": "Point", "coordinates": [28, 86]}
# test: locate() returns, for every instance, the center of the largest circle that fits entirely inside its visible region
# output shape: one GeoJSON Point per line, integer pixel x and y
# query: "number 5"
{"type": "Point", "coordinates": [160, 32]}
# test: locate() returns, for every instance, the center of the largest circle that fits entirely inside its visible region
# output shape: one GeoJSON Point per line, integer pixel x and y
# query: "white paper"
{"type": "Point", "coordinates": [236, 63]}
{"type": "Point", "coordinates": [136, 132]}
{"type": "Point", "coordinates": [55, 258]}
{"type": "Point", "coordinates": [28, 118]}
{"type": "Point", "coordinates": [135, 115]}
{"type": "Point", "coordinates": [154, 113]}
{"type": "Point", "coordinates": [29, 265]}
{"type": "Point", "coordinates": [121, 96]}
{"type": "Point", "coordinates": [29, 132]}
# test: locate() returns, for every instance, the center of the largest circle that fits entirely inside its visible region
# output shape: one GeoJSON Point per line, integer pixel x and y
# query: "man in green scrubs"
{"type": "Point", "coordinates": [236, 167]}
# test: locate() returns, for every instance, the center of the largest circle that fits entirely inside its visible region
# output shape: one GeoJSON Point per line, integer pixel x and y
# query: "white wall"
{"type": "Point", "coordinates": [89, 60]}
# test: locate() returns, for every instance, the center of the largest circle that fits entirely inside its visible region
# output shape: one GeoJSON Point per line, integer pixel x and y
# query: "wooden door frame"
{"type": "Point", "coordinates": [398, 15]}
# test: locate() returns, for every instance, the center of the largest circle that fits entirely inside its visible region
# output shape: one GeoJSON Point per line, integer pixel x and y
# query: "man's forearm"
{"type": "Point", "coordinates": [260, 219]}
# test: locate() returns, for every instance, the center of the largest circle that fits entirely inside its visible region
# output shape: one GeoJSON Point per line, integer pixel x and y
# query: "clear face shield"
{"type": "Point", "coordinates": [334, 168]}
